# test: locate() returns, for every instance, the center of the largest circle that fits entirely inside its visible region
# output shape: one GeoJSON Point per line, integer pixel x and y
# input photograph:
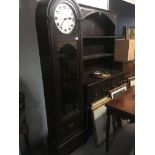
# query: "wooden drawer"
{"type": "Point", "coordinates": [97, 91]}
{"type": "Point", "coordinates": [70, 126]}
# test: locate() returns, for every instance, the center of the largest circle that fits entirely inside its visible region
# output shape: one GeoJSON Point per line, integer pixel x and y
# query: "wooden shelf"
{"type": "Point", "coordinates": [96, 37]}
{"type": "Point", "coordinates": [95, 56]}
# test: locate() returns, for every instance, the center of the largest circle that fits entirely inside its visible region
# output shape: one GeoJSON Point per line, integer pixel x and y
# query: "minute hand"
{"type": "Point", "coordinates": [64, 20]}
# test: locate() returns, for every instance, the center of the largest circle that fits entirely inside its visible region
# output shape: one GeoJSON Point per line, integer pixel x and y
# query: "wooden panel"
{"type": "Point", "coordinates": [98, 45]}
{"type": "Point", "coordinates": [67, 147]}
{"type": "Point", "coordinates": [99, 24]}
{"type": "Point", "coordinates": [71, 126]}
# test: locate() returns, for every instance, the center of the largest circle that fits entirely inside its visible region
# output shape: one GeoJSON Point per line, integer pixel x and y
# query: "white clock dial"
{"type": "Point", "coordinates": [64, 18]}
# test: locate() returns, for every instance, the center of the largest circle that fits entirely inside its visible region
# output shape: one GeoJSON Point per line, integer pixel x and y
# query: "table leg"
{"type": "Point", "coordinates": [114, 123]}
{"type": "Point", "coordinates": [119, 122]}
{"type": "Point", "coordinates": [107, 131]}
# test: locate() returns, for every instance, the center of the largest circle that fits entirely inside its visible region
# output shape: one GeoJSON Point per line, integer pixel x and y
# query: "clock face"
{"type": "Point", "coordinates": [64, 18]}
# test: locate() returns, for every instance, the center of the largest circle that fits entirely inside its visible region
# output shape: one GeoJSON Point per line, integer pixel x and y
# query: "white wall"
{"type": "Point", "coordinates": [130, 1]}
{"type": "Point", "coordinates": [30, 72]}
{"type": "Point", "coordinates": [103, 4]}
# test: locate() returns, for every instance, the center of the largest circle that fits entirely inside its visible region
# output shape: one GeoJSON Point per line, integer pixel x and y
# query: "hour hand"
{"type": "Point", "coordinates": [68, 18]}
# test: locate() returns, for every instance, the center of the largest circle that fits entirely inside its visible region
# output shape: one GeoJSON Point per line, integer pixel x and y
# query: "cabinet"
{"type": "Point", "coordinates": [98, 43]}
{"type": "Point", "coordinates": [59, 39]}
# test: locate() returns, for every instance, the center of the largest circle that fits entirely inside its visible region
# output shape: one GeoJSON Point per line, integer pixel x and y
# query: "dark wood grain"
{"type": "Point", "coordinates": [126, 66]}
{"type": "Point", "coordinates": [124, 103]}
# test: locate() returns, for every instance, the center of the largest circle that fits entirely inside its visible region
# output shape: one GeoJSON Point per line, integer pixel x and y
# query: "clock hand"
{"type": "Point", "coordinates": [64, 19]}
{"type": "Point", "coordinates": [62, 23]}
{"type": "Point", "coordinates": [68, 18]}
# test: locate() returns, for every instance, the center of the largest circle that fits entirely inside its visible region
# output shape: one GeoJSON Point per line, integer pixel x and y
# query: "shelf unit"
{"type": "Point", "coordinates": [98, 40]}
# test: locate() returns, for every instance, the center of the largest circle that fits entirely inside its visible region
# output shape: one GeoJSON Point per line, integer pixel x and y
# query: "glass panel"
{"type": "Point", "coordinates": [68, 77]}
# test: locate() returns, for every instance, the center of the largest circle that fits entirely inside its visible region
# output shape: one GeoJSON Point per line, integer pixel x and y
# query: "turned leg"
{"type": "Point", "coordinates": [114, 123]}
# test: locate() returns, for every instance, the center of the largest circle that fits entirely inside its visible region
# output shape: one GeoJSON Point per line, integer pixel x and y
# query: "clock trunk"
{"type": "Point", "coordinates": [61, 64]}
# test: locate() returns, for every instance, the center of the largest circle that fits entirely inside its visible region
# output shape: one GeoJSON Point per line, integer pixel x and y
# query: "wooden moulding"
{"type": "Point", "coordinates": [100, 102]}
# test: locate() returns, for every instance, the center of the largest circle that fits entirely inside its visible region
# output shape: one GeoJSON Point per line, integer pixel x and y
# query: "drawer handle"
{"type": "Point", "coordinates": [71, 125]}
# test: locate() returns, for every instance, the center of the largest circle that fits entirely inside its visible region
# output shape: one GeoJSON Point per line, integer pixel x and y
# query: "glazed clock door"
{"type": "Point", "coordinates": [66, 35]}
{"type": "Point", "coordinates": [67, 65]}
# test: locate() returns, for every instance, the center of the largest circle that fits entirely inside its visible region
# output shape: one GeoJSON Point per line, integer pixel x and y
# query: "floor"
{"type": "Point", "coordinates": [122, 143]}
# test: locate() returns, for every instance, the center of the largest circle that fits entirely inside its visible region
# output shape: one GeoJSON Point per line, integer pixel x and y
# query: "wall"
{"type": "Point", "coordinates": [125, 15]}
{"type": "Point", "coordinates": [103, 4]}
{"type": "Point", "coordinates": [30, 73]}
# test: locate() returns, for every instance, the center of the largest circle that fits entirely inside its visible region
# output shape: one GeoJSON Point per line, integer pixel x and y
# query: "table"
{"type": "Point", "coordinates": [123, 106]}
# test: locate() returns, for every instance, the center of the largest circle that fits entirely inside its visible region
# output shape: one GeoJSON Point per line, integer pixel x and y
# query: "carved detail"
{"type": "Point", "coordinates": [85, 12]}
{"type": "Point", "coordinates": [111, 16]}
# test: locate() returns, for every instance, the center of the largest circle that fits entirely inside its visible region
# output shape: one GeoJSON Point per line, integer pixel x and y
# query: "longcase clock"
{"type": "Point", "coordinates": [59, 35]}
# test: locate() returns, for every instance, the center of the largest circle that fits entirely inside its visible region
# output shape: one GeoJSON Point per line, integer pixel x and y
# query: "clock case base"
{"type": "Point", "coordinates": [66, 148]}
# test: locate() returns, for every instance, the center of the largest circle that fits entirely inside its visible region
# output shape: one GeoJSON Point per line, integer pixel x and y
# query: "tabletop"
{"type": "Point", "coordinates": [124, 102]}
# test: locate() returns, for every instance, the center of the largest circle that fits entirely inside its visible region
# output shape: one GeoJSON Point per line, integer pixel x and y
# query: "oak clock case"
{"type": "Point", "coordinates": [58, 30]}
